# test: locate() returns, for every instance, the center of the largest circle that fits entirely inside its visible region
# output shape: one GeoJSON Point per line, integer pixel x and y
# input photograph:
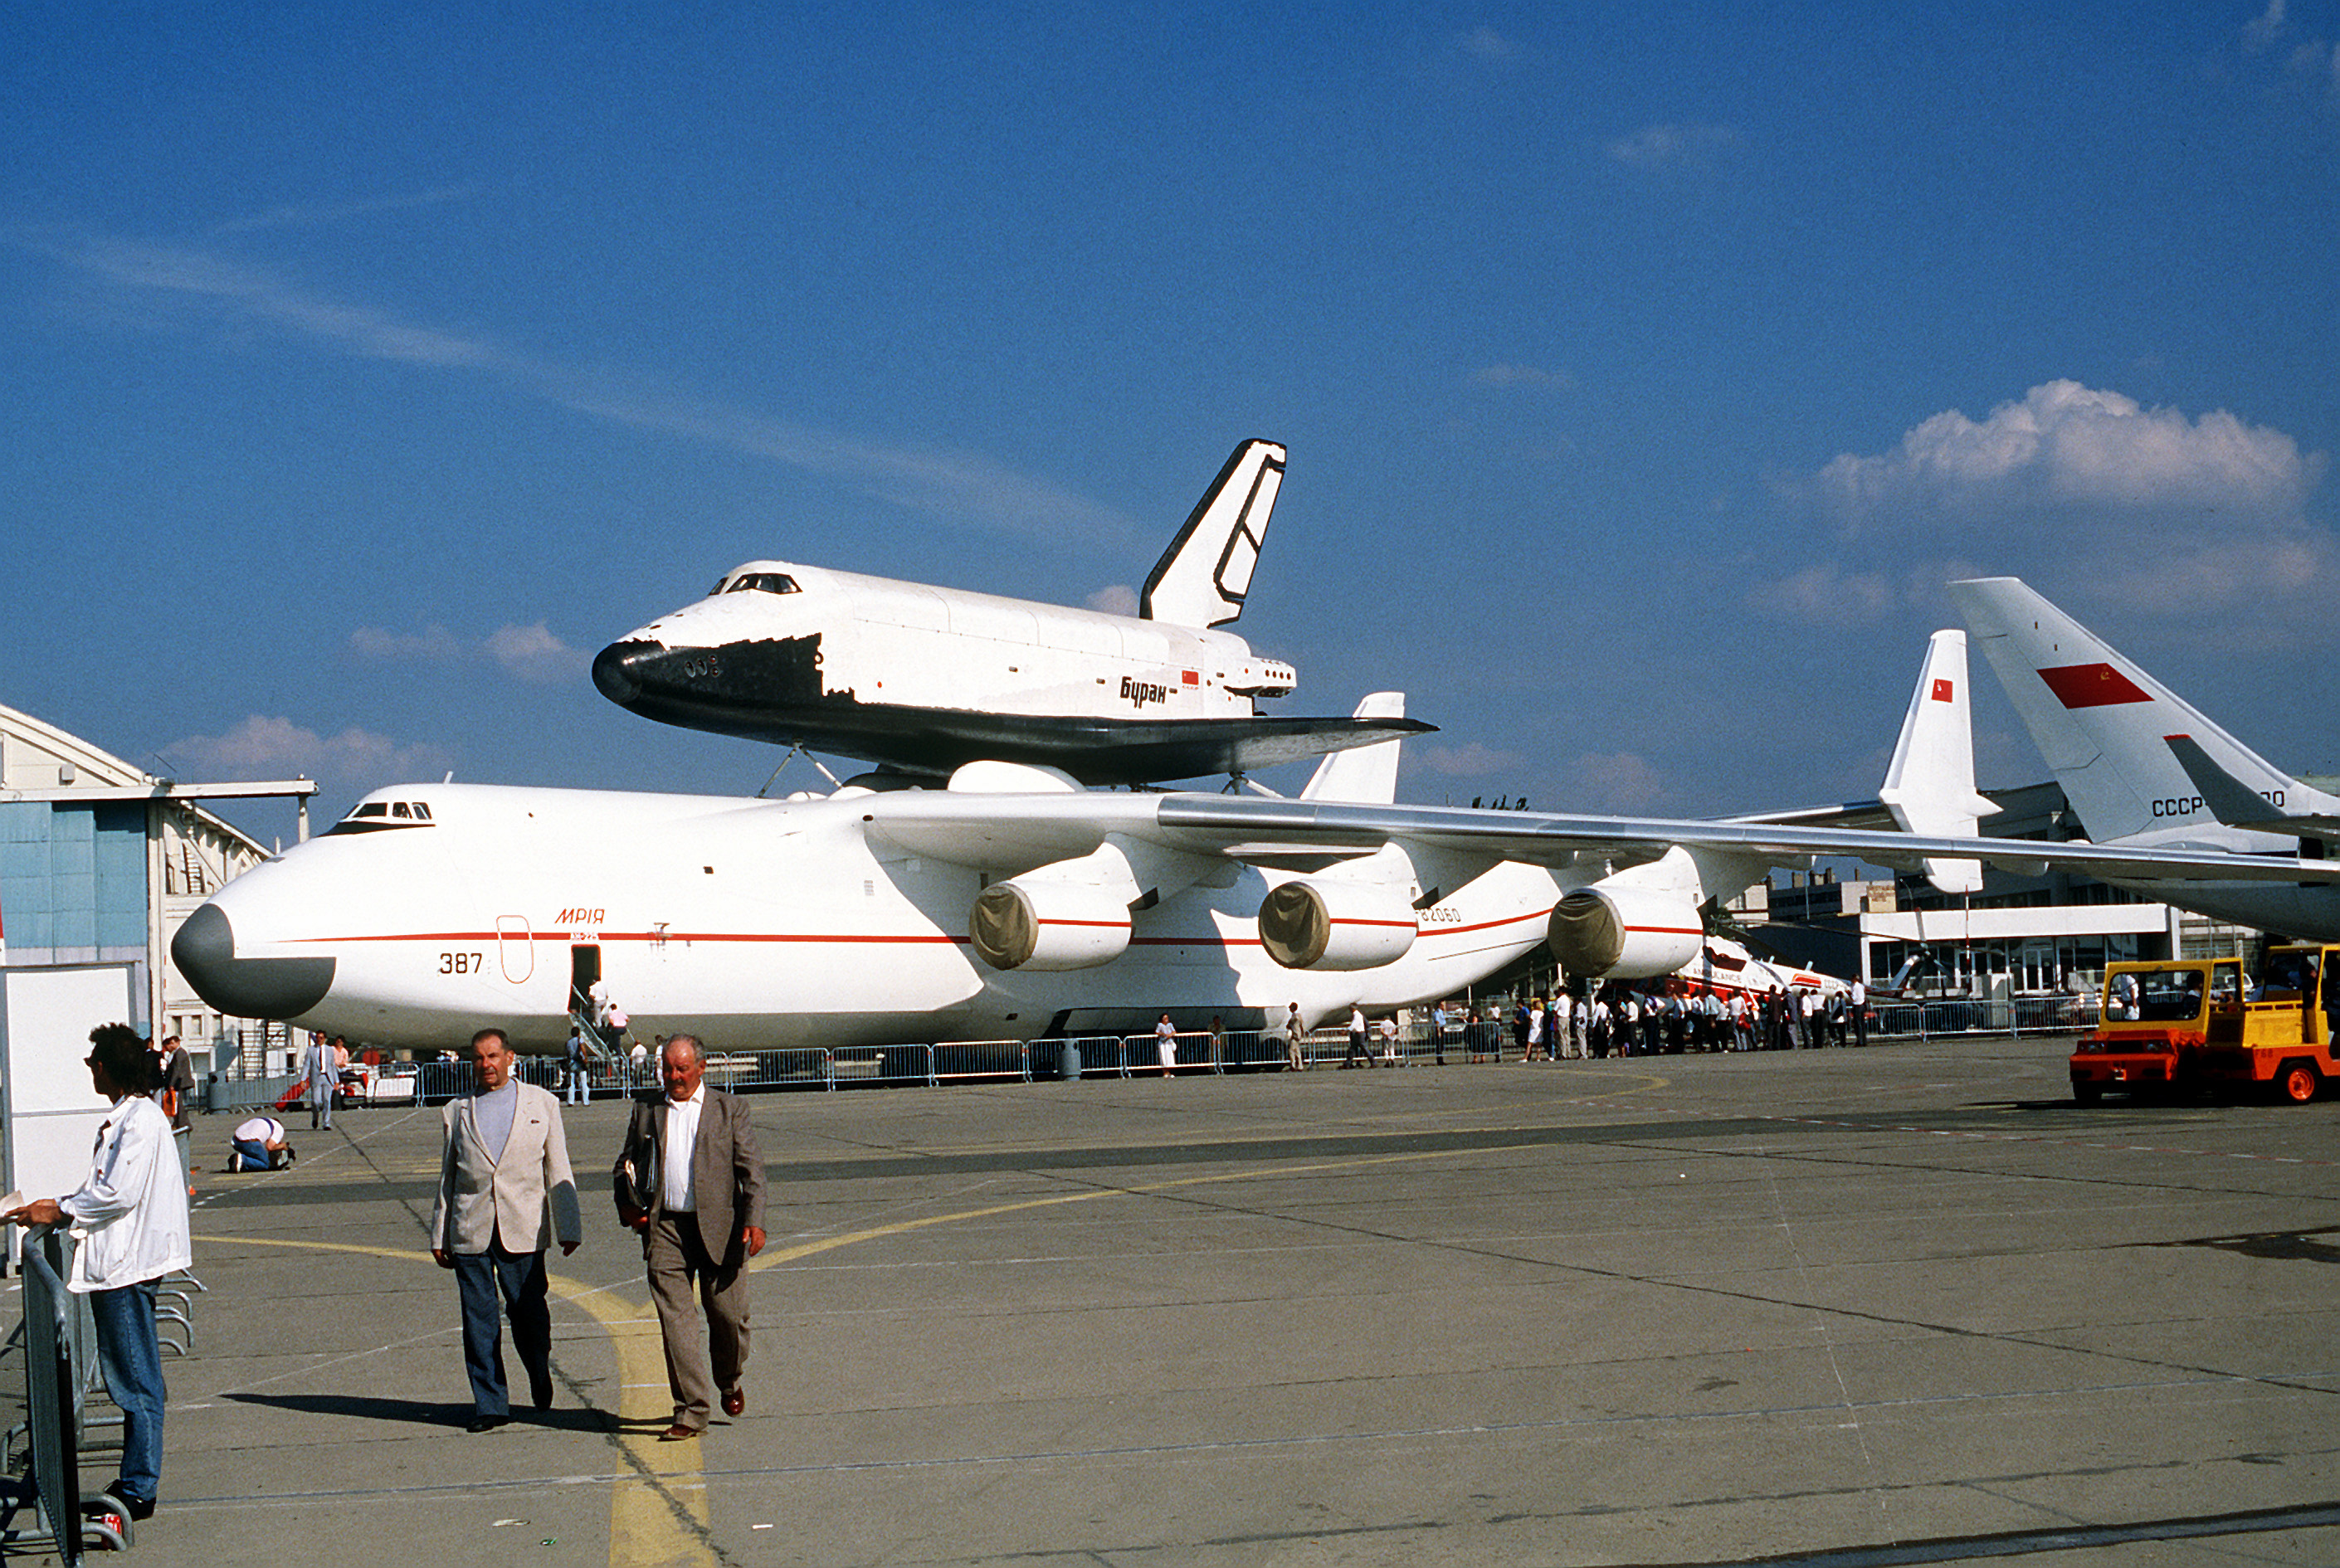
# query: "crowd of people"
{"type": "Point", "coordinates": [1651, 1017]}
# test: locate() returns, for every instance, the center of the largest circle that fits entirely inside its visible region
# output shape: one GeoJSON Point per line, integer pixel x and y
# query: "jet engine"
{"type": "Point", "coordinates": [1625, 933]}
{"type": "Point", "coordinates": [1050, 925]}
{"type": "Point", "coordinates": [1306, 925]}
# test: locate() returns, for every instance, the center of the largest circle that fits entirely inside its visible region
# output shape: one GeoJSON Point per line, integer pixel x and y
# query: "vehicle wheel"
{"type": "Point", "coordinates": [2296, 1082]}
{"type": "Point", "coordinates": [2088, 1094]}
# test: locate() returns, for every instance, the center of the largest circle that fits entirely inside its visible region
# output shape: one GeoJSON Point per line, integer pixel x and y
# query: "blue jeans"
{"type": "Point", "coordinates": [520, 1278]}
{"type": "Point", "coordinates": [132, 1360]}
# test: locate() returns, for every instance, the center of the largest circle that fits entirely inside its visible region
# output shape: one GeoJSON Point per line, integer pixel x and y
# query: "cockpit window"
{"type": "Point", "coordinates": [764, 581]}
{"type": "Point", "coordinates": [718, 588]}
{"type": "Point", "coordinates": [378, 816]}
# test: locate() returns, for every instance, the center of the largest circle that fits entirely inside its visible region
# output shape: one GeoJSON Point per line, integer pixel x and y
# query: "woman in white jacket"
{"type": "Point", "coordinates": [130, 1224]}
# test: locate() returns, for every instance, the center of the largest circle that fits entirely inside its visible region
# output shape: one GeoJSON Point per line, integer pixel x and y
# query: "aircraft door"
{"type": "Point", "coordinates": [584, 971]}
{"type": "Point", "coordinates": [516, 947]}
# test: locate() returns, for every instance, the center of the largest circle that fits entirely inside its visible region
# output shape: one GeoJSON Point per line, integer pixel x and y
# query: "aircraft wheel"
{"type": "Point", "coordinates": [2296, 1082]}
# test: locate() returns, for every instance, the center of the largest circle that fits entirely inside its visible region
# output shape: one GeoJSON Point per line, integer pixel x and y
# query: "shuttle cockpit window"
{"type": "Point", "coordinates": [764, 582]}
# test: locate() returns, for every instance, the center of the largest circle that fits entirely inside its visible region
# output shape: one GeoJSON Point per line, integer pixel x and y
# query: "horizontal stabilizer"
{"type": "Point", "coordinates": [2236, 804]}
{"type": "Point", "coordinates": [1204, 577]}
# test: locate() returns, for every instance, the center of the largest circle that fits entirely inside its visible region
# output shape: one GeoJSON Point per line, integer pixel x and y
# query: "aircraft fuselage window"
{"type": "Point", "coordinates": [764, 581]}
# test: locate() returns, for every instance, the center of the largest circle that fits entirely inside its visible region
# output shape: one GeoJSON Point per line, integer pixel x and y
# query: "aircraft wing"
{"type": "Point", "coordinates": [1010, 834]}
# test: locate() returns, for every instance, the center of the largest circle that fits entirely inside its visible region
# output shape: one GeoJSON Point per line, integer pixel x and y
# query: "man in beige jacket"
{"type": "Point", "coordinates": [504, 1192]}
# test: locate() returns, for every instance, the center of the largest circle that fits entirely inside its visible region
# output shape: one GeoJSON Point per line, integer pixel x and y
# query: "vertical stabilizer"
{"type": "Point", "coordinates": [1930, 787]}
{"type": "Point", "coordinates": [2105, 727]}
{"type": "Point", "coordinates": [1202, 577]}
{"type": "Point", "coordinates": [1366, 775]}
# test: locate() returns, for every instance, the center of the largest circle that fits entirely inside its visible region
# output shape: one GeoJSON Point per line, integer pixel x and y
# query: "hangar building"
{"type": "Point", "coordinates": [100, 862]}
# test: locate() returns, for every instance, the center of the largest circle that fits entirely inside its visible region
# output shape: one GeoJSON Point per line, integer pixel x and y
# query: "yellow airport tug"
{"type": "Point", "coordinates": [2197, 1024]}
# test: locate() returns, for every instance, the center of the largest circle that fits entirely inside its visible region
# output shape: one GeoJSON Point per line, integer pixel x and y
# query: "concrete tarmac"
{"type": "Point", "coordinates": [1854, 1308]}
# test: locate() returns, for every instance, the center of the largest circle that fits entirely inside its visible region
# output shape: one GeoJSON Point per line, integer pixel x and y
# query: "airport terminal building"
{"type": "Point", "coordinates": [101, 861]}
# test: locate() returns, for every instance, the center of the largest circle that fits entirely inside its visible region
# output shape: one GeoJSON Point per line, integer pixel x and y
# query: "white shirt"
{"type": "Point", "coordinates": [257, 1130]}
{"type": "Point", "coordinates": [130, 1216]}
{"type": "Point", "coordinates": [678, 1192]}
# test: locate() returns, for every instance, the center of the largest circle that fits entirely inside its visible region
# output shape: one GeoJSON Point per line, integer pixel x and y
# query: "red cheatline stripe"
{"type": "Point", "coordinates": [2092, 686]}
{"type": "Point", "coordinates": [672, 936]}
{"type": "Point", "coordinates": [1108, 925]}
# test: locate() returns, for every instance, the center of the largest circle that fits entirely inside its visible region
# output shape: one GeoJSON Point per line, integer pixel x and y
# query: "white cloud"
{"type": "Point", "coordinates": [530, 653]}
{"type": "Point", "coordinates": [1486, 43]}
{"type": "Point", "coordinates": [1473, 759]}
{"type": "Point", "coordinates": [2146, 508]}
{"type": "Point", "coordinates": [2064, 446]}
{"type": "Point", "coordinates": [1120, 598]}
{"type": "Point", "coordinates": [1617, 782]}
{"type": "Point", "coordinates": [1825, 591]}
{"type": "Point", "coordinates": [955, 487]}
{"type": "Point", "coordinates": [276, 748]}
{"type": "Point", "coordinates": [1671, 145]}
{"type": "Point", "coordinates": [434, 644]}
{"type": "Point", "coordinates": [2259, 33]}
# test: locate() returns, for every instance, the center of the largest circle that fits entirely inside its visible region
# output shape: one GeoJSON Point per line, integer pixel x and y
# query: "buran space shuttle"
{"type": "Point", "coordinates": [921, 680]}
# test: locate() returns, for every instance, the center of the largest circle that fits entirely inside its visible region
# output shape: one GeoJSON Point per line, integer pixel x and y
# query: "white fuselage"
{"type": "Point", "coordinates": [766, 924]}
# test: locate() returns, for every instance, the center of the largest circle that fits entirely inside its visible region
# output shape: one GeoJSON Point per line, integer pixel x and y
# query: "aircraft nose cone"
{"type": "Point", "coordinates": [616, 669]}
{"type": "Point", "coordinates": [204, 951]}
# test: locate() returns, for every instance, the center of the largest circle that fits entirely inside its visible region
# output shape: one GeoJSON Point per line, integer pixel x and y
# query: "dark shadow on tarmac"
{"type": "Point", "coordinates": [423, 1413]}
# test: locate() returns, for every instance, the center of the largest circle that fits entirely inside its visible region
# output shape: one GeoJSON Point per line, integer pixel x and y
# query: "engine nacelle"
{"type": "Point", "coordinates": [1308, 924]}
{"type": "Point", "coordinates": [1624, 933]}
{"type": "Point", "coordinates": [1047, 926]}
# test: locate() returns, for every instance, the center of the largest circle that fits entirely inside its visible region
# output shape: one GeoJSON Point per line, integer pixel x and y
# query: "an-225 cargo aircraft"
{"type": "Point", "coordinates": [1012, 903]}
{"type": "Point", "coordinates": [924, 679]}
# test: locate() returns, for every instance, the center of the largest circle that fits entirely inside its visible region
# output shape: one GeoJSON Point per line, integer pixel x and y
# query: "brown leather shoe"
{"type": "Point", "coordinates": [678, 1433]}
{"type": "Point", "coordinates": [735, 1400]}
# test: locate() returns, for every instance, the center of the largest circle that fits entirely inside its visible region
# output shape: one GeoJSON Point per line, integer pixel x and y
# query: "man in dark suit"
{"type": "Point", "coordinates": [689, 1179]}
{"type": "Point", "coordinates": [505, 1192]}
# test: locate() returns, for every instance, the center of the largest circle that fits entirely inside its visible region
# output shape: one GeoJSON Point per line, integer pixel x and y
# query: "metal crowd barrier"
{"type": "Point", "coordinates": [59, 1360]}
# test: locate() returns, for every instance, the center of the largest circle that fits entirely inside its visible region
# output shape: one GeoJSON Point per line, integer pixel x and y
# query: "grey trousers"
{"type": "Point", "coordinates": [678, 1259]}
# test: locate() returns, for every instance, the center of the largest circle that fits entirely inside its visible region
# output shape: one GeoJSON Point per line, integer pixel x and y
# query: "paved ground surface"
{"type": "Point", "coordinates": [1848, 1308]}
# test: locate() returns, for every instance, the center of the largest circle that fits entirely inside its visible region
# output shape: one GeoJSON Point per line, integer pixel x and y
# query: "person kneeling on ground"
{"type": "Point", "coordinates": [258, 1144]}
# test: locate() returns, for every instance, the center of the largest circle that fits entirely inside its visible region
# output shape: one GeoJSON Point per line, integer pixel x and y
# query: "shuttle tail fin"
{"type": "Point", "coordinates": [1930, 787]}
{"type": "Point", "coordinates": [1367, 774]}
{"type": "Point", "coordinates": [1204, 577]}
{"type": "Point", "coordinates": [2105, 727]}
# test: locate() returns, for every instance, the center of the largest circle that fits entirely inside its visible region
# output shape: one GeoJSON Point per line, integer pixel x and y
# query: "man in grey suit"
{"type": "Point", "coordinates": [504, 1191]}
{"type": "Point", "coordinates": [689, 1179]}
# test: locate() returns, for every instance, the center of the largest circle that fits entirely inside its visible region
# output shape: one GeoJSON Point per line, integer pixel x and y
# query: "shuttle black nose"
{"type": "Point", "coordinates": [616, 669]}
{"type": "Point", "coordinates": [205, 950]}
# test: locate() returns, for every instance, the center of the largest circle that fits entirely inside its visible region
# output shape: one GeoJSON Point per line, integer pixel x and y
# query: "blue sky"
{"type": "Point", "coordinates": [1645, 371]}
